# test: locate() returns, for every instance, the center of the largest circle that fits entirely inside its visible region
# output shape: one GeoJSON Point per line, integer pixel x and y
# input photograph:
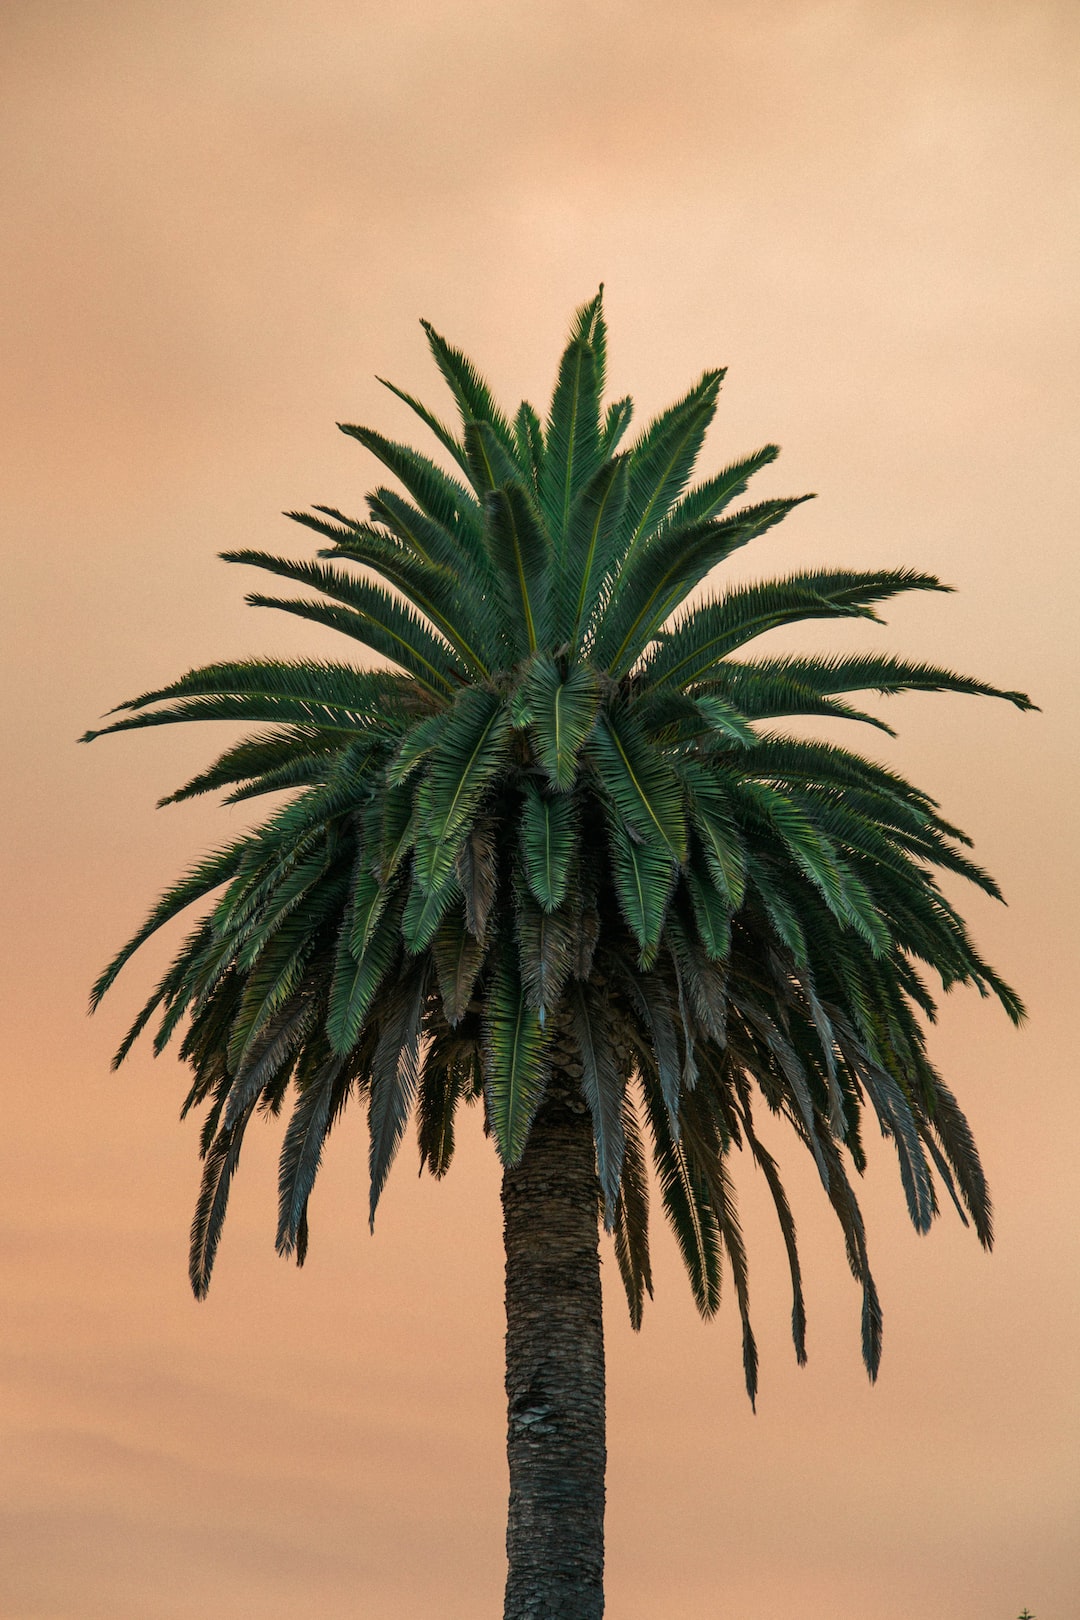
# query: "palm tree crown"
{"type": "Point", "coordinates": [563, 819]}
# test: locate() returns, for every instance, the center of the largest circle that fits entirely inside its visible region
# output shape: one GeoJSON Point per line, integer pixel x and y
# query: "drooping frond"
{"type": "Point", "coordinates": [515, 1058]}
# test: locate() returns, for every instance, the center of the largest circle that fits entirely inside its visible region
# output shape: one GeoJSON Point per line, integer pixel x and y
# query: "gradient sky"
{"type": "Point", "coordinates": [222, 219]}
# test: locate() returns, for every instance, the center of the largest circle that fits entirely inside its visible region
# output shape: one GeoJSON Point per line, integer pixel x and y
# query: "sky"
{"type": "Point", "coordinates": [222, 222]}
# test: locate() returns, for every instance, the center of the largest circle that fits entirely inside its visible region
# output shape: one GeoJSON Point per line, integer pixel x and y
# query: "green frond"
{"type": "Point", "coordinates": [362, 697]}
{"type": "Point", "coordinates": [169, 992]}
{"type": "Point", "coordinates": [848, 1213]}
{"type": "Point", "coordinates": [631, 1231]}
{"type": "Point", "coordinates": [572, 439]}
{"type": "Point", "coordinates": [515, 1058]}
{"type": "Point", "coordinates": [520, 552]}
{"type": "Point", "coordinates": [767, 1164]}
{"type": "Point", "coordinates": [617, 419]}
{"type": "Point", "coordinates": [474, 397]}
{"type": "Point", "coordinates": [546, 950]}
{"type": "Point", "coordinates": [441, 1089]}
{"type": "Point", "coordinates": [395, 1072]}
{"type": "Point", "coordinates": [673, 719]}
{"type": "Point", "coordinates": [491, 464]}
{"type": "Point", "coordinates": [287, 895]}
{"type": "Point", "coordinates": [560, 712]}
{"type": "Point", "coordinates": [709, 499]}
{"type": "Point", "coordinates": [201, 881]}
{"type": "Point", "coordinates": [529, 444]}
{"type": "Point", "coordinates": [860, 588]}
{"type": "Point", "coordinates": [712, 913]}
{"type": "Point", "coordinates": [369, 945]}
{"type": "Point", "coordinates": [439, 496]}
{"type": "Point", "coordinates": [477, 868]}
{"type": "Point", "coordinates": [695, 644]}
{"type": "Point", "coordinates": [547, 845]}
{"type": "Point", "coordinates": [688, 1209]}
{"type": "Point", "coordinates": [898, 1122]}
{"type": "Point", "coordinates": [954, 1133]}
{"type": "Point", "coordinates": [458, 957]}
{"type": "Point", "coordinates": [460, 553]}
{"type": "Point", "coordinates": [261, 756]}
{"type": "Point", "coordinates": [440, 594]}
{"type": "Point", "coordinates": [662, 459]}
{"type": "Point", "coordinates": [279, 710]}
{"type": "Point", "coordinates": [218, 1171]}
{"type": "Point", "coordinates": [639, 782]}
{"type": "Point", "coordinates": [390, 829]}
{"type": "Point", "coordinates": [761, 691]}
{"type": "Point", "coordinates": [311, 770]}
{"type": "Point", "coordinates": [430, 898]}
{"type": "Point", "coordinates": [815, 856]}
{"type": "Point", "coordinates": [644, 875]}
{"type": "Point", "coordinates": [414, 748]}
{"type": "Point", "coordinates": [590, 540]}
{"type": "Point", "coordinates": [273, 1058]}
{"type": "Point", "coordinates": [589, 326]}
{"type": "Point", "coordinates": [604, 1087]}
{"type": "Point", "coordinates": [440, 430]}
{"type": "Point", "coordinates": [470, 752]}
{"type": "Point", "coordinates": [865, 672]}
{"type": "Point", "coordinates": [301, 1151]}
{"type": "Point", "coordinates": [663, 573]}
{"type": "Point", "coordinates": [277, 972]}
{"type": "Point", "coordinates": [702, 984]}
{"type": "Point", "coordinates": [706, 1150]}
{"type": "Point", "coordinates": [367, 613]}
{"type": "Point", "coordinates": [649, 996]}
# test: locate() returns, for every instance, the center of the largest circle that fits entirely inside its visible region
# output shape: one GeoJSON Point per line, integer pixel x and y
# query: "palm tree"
{"type": "Point", "coordinates": [557, 856]}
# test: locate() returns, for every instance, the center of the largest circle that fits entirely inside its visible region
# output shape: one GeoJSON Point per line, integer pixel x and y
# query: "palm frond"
{"type": "Point", "coordinates": [560, 710]}
{"type": "Point", "coordinates": [474, 397]}
{"type": "Point", "coordinates": [644, 875]}
{"type": "Point", "coordinates": [617, 419]}
{"type": "Point", "coordinates": [546, 949]}
{"type": "Point", "coordinates": [631, 1230]}
{"type": "Point", "coordinates": [469, 753]}
{"type": "Point", "coordinates": [662, 459]}
{"type": "Point", "coordinates": [590, 1024]}
{"type": "Point", "coordinates": [440, 430]}
{"type": "Point", "coordinates": [218, 1172]}
{"type": "Point", "coordinates": [592, 530]}
{"type": "Point", "coordinates": [639, 782]}
{"type": "Point", "coordinates": [572, 440]}
{"type": "Point", "coordinates": [688, 1208]}
{"type": "Point", "coordinates": [301, 1152]}
{"type": "Point", "coordinates": [395, 1073]}
{"type": "Point", "coordinates": [663, 573]}
{"type": "Point", "coordinates": [515, 1058]}
{"type": "Point", "coordinates": [366, 612]}
{"type": "Point", "coordinates": [547, 845]}
{"type": "Point", "coordinates": [438, 495]}
{"type": "Point", "coordinates": [690, 651]}
{"type": "Point", "coordinates": [458, 957]}
{"type": "Point", "coordinates": [520, 552]}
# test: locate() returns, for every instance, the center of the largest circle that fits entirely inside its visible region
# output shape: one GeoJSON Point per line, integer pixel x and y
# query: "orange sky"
{"type": "Point", "coordinates": [221, 220]}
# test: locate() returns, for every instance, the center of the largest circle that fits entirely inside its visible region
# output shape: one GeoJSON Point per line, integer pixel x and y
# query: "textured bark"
{"type": "Point", "coordinates": [555, 1367]}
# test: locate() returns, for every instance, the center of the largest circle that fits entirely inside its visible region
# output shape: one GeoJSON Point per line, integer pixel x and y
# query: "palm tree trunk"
{"type": "Point", "coordinates": [554, 1368]}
